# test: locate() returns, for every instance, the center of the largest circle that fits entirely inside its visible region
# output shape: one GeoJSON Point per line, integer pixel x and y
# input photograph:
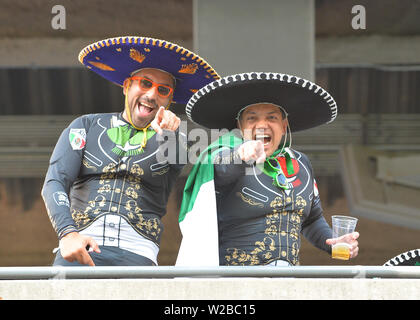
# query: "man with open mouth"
{"type": "Point", "coordinates": [106, 188]}
{"type": "Point", "coordinates": [261, 194]}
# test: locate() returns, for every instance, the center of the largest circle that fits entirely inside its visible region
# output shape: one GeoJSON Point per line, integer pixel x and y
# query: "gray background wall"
{"type": "Point", "coordinates": [244, 36]}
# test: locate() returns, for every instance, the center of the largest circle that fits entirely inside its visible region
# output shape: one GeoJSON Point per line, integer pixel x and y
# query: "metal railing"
{"type": "Point", "coordinates": [168, 272]}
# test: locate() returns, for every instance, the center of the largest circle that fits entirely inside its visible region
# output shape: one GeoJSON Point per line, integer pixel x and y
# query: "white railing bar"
{"type": "Point", "coordinates": [38, 273]}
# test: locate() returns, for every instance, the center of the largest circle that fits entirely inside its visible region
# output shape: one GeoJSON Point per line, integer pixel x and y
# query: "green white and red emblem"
{"type": "Point", "coordinates": [77, 138]}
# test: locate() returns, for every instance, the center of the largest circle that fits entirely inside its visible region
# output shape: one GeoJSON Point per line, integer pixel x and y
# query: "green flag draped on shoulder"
{"type": "Point", "coordinates": [198, 213]}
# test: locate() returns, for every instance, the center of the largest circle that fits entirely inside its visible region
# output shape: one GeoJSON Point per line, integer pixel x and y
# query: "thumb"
{"type": "Point", "coordinates": [261, 157]}
{"type": "Point", "coordinates": [330, 241]}
{"type": "Point", "coordinates": [355, 235]}
{"type": "Point", "coordinates": [344, 238]}
{"type": "Point", "coordinates": [154, 124]}
{"type": "Point", "coordinates": [93, 245]}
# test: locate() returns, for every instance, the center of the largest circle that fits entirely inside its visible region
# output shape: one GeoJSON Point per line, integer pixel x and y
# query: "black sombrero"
{"type": "Point", "coordinates": [216, 105]}
{"type": "Point", "coordinates": [116, 59]}
{"type": "Point", "coordinates": [409, 258]}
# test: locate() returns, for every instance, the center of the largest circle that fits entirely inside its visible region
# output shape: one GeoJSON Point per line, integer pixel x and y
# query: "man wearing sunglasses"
{"type": "Point", "coordinates": [108, 182]}
{"type": "Point", "coordinates": [265, 191]}
{"type": "Point", "coordinates": [149, 93]}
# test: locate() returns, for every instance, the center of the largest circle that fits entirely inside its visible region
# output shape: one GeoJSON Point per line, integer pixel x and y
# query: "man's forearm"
{"type": "Point", "coordinates": [58, 208]}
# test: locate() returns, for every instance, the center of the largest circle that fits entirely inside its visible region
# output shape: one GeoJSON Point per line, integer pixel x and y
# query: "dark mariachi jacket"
{"type": "Point", "coordinates": [260, 222]}
{"type": "Point", "coordinates": [98, 167]}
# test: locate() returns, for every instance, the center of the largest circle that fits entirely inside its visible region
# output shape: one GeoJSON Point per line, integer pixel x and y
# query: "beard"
{"type": "Point", "coordinates": [142, 112]}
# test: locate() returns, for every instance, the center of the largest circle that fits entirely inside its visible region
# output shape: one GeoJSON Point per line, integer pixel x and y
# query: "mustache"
{"type": "Point", "coordinates": [151, 103]}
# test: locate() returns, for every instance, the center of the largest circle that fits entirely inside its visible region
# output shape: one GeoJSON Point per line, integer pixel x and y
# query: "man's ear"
{"type": "Point", "coordinates": [285, 124]}
{"type": "Point", "coordinates": [238, 125]}
{"type": "Point", "coordinates": [126, 86]}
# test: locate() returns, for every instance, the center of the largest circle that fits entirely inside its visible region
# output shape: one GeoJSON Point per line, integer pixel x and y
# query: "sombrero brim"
{"type": "Point", "coordinates": [409, 258]}
{"type": "Point", "coordinates": [116, 58]}
{"type": "Point", "coordinates": [217, 104]}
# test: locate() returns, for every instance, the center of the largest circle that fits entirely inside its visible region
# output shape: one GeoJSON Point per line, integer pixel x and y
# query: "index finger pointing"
{"type": "Point", "coordinates": [159, 114]}
{"type": "Point", "coordinates": [87, 259]}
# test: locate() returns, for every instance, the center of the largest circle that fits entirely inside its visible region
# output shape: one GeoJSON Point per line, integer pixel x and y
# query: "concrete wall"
{"type": "Point", "coordinates": [245, 35]}
{"type": "Point", "coordinates": [220, 289]}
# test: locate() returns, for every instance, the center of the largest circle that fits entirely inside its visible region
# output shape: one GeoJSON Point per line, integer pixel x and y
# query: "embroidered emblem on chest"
{"type": "Point", "coordinates": [291, 178]}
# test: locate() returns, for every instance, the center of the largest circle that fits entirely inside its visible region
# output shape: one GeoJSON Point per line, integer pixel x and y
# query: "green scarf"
{"type": "Point", "coordinates": [129, 141]}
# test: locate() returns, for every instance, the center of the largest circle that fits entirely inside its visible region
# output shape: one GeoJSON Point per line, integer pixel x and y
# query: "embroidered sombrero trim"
{"type": "Point", "coordinates": [403, 257]}
{"type": "Point", "coordinates": [153, 42]}
{"type": "Point", "coordinates": [268, 76]}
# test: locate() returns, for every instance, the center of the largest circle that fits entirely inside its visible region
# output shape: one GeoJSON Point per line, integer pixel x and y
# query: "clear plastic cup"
{"type": "Point", "coordinates": [342, 225]}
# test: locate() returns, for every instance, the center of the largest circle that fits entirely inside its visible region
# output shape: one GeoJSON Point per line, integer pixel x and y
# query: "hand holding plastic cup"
{"type": "Point", "coordinates": [342, 225]}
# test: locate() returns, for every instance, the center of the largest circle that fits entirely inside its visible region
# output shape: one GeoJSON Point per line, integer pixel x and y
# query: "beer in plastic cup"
{"type": "Point", "coordinates": [342, 225]}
